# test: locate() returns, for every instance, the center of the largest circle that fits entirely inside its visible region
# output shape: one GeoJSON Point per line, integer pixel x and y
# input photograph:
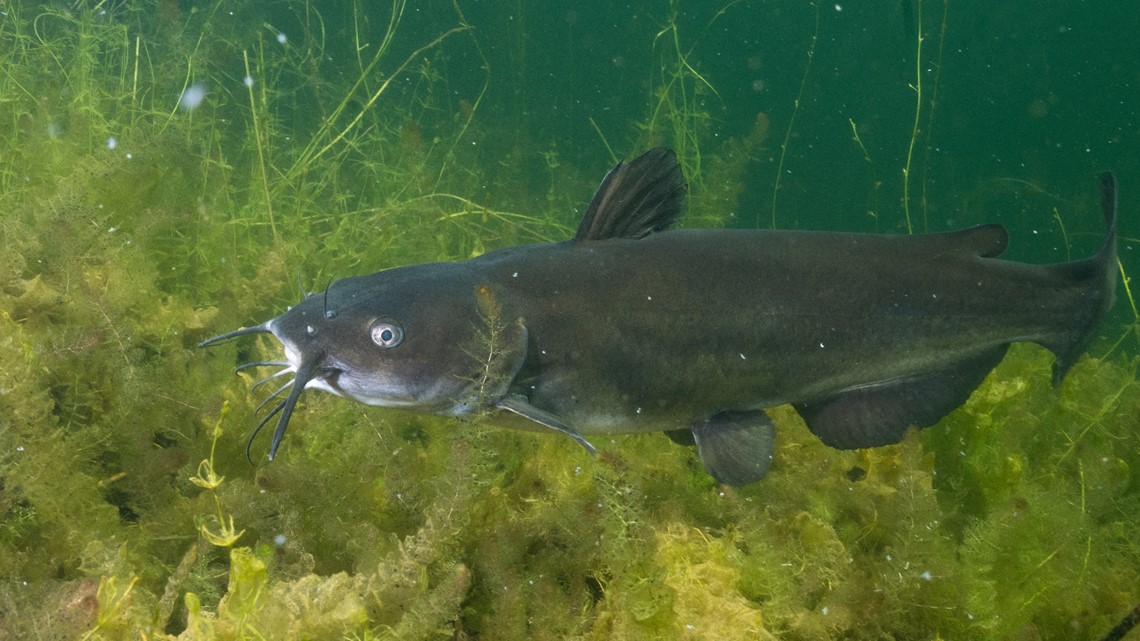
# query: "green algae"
{"type": "Point", "coordinates": [127, 509]}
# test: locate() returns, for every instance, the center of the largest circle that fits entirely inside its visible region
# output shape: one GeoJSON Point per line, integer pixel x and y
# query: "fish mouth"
{"type": "Point", "coordinates": [303, 371]}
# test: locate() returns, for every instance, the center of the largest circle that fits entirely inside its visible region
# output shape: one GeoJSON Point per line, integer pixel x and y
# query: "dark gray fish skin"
{"type": "Point", "coordinates": [632, 328]}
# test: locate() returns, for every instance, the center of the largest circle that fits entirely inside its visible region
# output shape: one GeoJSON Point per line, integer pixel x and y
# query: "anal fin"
{"type": "Point", "coordinates": [682, 437]}
{"type": "Point", "coordinates": [880, 414]}
{"type": "Point", "coordinates": [736, 447]}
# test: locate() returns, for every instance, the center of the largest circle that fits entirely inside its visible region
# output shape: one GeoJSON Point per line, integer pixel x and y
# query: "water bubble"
{"type": "Point", "coordinates": [193, 96]}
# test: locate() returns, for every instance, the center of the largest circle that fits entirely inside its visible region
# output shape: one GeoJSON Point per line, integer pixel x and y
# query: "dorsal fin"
{"type": "Point", "coordinates": [636, 198]}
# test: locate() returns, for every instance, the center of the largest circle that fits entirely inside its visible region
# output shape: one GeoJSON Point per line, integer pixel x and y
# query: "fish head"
{"type": "Point", "coordinates": [397, 338]}
{"type": "Point", "coordinates": [392, 346]}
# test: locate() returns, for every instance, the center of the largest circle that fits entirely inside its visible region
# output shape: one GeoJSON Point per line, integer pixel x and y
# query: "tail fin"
{"type": "Point", "coordinates": [1108, 204]}
{"type": "Point", "coordinates": [1098, 273]}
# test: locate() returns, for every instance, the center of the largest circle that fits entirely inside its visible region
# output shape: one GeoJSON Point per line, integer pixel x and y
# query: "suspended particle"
{"type": "Point", "coordinates": [193, 96]}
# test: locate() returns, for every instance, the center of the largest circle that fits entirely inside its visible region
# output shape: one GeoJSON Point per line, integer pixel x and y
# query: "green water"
{"type": "Point", "coordinates": [335, 139]}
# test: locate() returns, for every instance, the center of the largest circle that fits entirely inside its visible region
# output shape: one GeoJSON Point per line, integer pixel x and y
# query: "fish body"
{"type": "Point", "coordinates": [631, 327]}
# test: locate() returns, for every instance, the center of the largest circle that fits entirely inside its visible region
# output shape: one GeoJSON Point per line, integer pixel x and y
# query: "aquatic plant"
{"type": "Point", "coordinates": [796, 103]}
{"type": "Point", "coordinates": [676, 116]}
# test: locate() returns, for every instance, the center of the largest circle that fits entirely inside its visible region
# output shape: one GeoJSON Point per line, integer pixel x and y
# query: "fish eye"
{"type": "Point", "coordinates": [386, 333]}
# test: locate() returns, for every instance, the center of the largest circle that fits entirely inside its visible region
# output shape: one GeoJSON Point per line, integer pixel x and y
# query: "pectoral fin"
{"type": "Point", "coordinates": [880, 414]}
{"type": "Point", "coordinates": [736, 447]}
{"type": "Point", "coordinates": [518, 404]}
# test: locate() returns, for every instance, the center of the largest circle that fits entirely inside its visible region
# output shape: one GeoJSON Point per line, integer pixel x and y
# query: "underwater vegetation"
{"type": "Point", "coordinates": [167, 170]}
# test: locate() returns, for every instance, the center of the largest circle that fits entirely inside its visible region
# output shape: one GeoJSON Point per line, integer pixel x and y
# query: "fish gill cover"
{"type": "Point", "coordinates": [171, 168]}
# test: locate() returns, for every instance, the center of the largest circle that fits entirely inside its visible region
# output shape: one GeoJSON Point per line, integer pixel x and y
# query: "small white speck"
{"type": "Point", "coordinates": [279, 540]}
{"type": "Point", "coordinates": [743, 357]}
{"type": "Point", "coordinates": [281, 37]}
{"type": "Point", "coordinates": [838, 7]}
{"type": "Point", "coordinates": [821, 345]}
{"type": "Point", "coordinates": [515, 275]}
{"type": "Point", "coordinates": [247, 81]}
{"type": "Point", "coordinates": [926, 576]}
{"type": "Point", "coordinates": [638, 411]}
{"type": "Point", "coordinates": [112, 143]}
{"type": "Point", "coordinates": [130, 156]}
{"type": "Point", "coordinates": [19, 448]}
{"type": "Point", "coordinates": [824, 610]}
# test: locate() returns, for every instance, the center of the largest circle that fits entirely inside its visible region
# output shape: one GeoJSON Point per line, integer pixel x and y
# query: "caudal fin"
{"type": "Point", "coordinates": [1108, 206]}
{"type": "Point", "coordinates": [1097, 274]}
